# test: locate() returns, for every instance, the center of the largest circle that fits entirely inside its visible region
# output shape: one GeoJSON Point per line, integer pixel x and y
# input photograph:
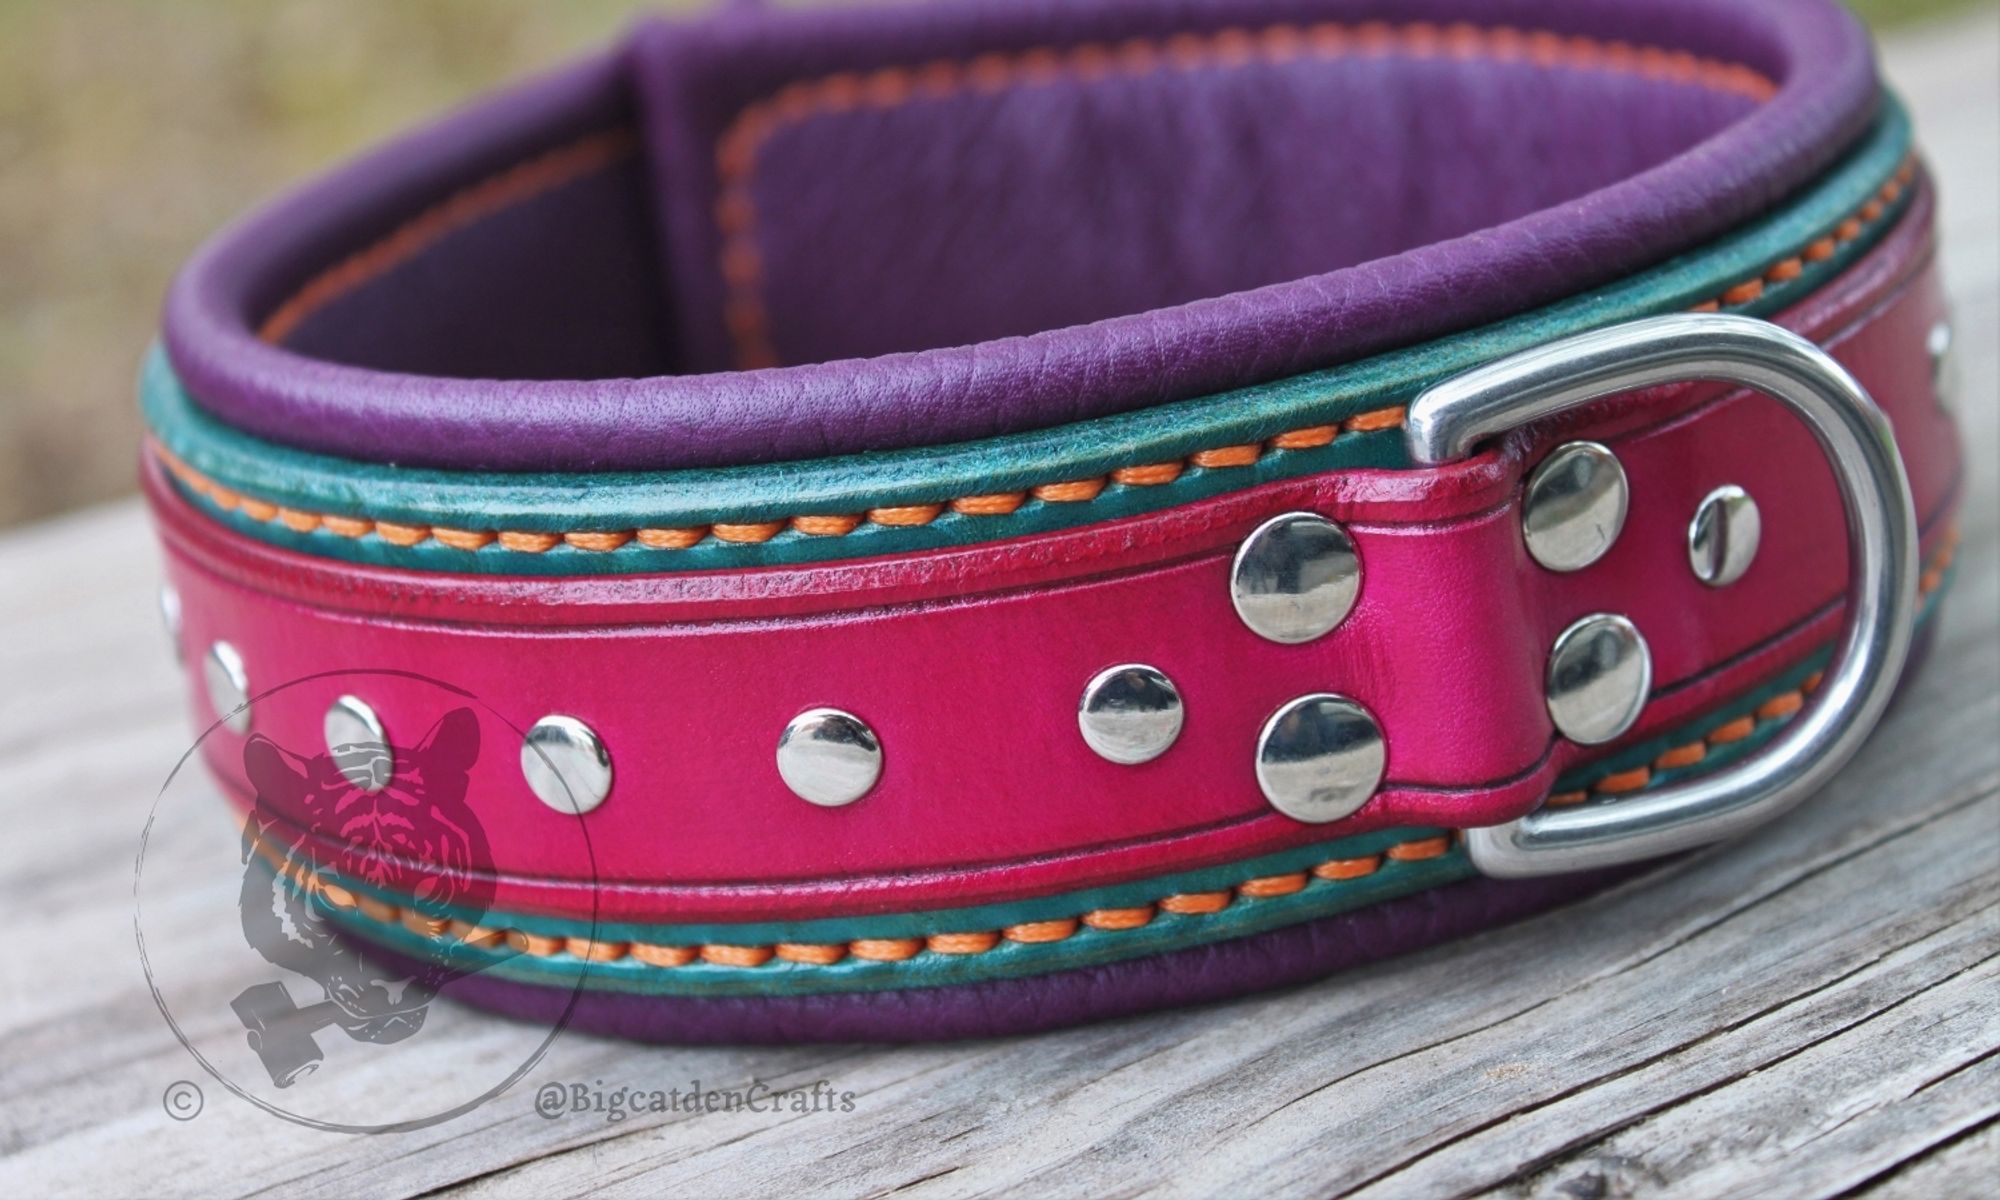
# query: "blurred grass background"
{"type": "Point", "coordinates": [131, 129]}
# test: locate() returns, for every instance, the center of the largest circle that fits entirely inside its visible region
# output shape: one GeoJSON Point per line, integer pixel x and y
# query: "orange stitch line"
{"type": "Point", "coordinates": [463, 208]}
{"type": "Point", "coordinates": [671, 539]}
{"type": "Point", "coordinates": [1147, 476]}
{"type": "Point", "coordinates": [595, 951]}
{"type": "Point", "coordinates": [1273, 885]}
{"type": "Point", "coordinates": [1348, 868]}
{"type": "Point", "coordinates": [597, 541]}
{"type": "Point", "coordinates": [1381, 418]}
{"type": "Point", "coordinates": [662, 956]}
{"type": "Point", "coordinates": [826, 526]}
{"type": "Point", "coordinates": [1682, 756]}
{"type": "Point", "coordinates": [1041, 931]}
{"type": "Point", "coordinates": [1309, 438]}
{"type": "Point", "coordinates": [1227, 456]}
{"type": "Point", "coordinates": [1780, 706]}
{"type": "Point", "coordinates": [524, 942]}
{"type": "Point", "coordinates": [479, 935]}
{"type": "Point", "coordinates": [748, 533]}
{"type": "Point", "coordinates": [1820, 249]}
{"type": "Point", "coordinates": [885, 949]}
{"type": "Point", "coordinates": [1733, 731]}
{"type": "Point", "coordinates": [1069, 493]}
{"type": "Point", "coordinates": [1106, 920]}
{"type": "Point", "coordinates": [962, 943]}
{"type": "Point", "coordinates": [1119, 918]}
{"type": "Point", "coordinates": [1620, 782]}
{"type": "Point", "coordinates": [1776, 708]}
{"type": "Point", "coordinates": [398, 534]}
{"type": "Point", "coordinates": [417, 923]}
{"type": "Point", "coordinates": [1197, 903]}
{"type": "Point", "coordinates": [906, 514]}
{"type": "Point", "coordinates": [1419, 850]}
{"type": "Point", "coordinates": [892, 87]}
{"type": "Point", "coordinates": [997, 504]}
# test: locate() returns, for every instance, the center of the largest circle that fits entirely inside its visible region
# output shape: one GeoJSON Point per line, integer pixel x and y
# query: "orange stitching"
{"type": "Point", "coordinates": [745, 314]}
{"type": "Point", "coordinates": [1103, 920]}
{"type": "Point", "coordinates": [521, 182]}
{"type": "Point", "coordinates": [1780, 707]}
{"type": "Point", "coordinates": [1070, 492]}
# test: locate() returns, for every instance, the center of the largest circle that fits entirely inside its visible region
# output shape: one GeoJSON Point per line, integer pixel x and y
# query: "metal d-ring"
{"type": "Point", "coordinates": [1447, 420]}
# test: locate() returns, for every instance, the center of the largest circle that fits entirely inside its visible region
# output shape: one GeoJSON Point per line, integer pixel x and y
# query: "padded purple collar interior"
{"type": "Point", "coordinates": [765, 235]}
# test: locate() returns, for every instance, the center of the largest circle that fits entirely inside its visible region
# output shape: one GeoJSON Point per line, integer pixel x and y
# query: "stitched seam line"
{"type": "Point", "coordinates": [958, 944]}
{"type": "Point", "coordinates": [1776, 708]}
{"type": "Point", "coordinates": [744, 313]}
{"type": "Point", "coordinates": [996, 504]}
{"type": "Point", "coordinates": [489, 196]}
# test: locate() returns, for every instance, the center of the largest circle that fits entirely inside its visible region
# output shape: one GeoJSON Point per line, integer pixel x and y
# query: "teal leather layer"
{"type": "Point", "coordinates": [626, 501]}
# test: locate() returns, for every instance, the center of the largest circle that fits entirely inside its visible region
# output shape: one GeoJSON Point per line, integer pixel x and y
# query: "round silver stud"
{"type": "Point", "coordinates": [1944, 364]}
{"type": "Point", "coordinates": [1320, 758]}
{"type": "Point", "coordinates": [1130, 714]}
{"type": "Point", "coordinates": [1722, 538]}
{"type": "Point", "coordinates": [170, 616]}
{"type": "Point", "coordinates": [566, 764]}
{"type": "Point", "coordinates": [228, 686]}
{"type": "Point", "coordinates": [355, 739]}
{"type": "Point", "coordinates": [1600, 674]}
{"type": "Point", "coordinates": [828, 757]}
{"type": "Point", "coordinates": [1295, 578]}
{"type": "Point", "coordinates": [1575, 506]}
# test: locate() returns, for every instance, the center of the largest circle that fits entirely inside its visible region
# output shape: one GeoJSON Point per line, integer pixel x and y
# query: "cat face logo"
{"type": "Point", "coordinates": [365, 817]}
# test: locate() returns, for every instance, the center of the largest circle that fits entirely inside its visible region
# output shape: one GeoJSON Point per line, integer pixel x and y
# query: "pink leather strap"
{"type": "Point", "coordinates": [968, 662]}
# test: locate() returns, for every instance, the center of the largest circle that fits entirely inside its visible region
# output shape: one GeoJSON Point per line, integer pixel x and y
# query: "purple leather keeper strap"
{"type": "Point", "coordinates": [968, 219]}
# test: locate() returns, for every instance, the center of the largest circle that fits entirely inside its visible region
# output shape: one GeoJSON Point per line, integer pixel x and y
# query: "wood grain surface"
{"type": "Point", "coordinates": [1811, 1011]}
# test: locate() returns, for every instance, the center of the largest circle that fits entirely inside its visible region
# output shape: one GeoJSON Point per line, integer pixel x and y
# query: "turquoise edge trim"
{"type": "Point", "coordinates": [669, 499]}
{"type": "Point", "coordinates": [1087, 947]}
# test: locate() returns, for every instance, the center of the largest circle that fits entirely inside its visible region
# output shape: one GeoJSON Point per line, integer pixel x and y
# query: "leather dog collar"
{"type": "Point", "coordinates": [994, 516]}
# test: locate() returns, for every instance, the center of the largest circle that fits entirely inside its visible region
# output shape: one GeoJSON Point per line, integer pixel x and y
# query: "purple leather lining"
{"type": "Point", "coordinates": [1442, 195]}
{"type": "Point", "coordinates": [1278, 958]}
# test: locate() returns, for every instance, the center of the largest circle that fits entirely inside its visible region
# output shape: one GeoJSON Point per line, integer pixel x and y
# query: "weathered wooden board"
{"type": "Point", "coordinates": [1812, 1011]}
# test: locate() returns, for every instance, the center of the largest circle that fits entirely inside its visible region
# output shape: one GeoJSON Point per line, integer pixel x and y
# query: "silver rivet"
{"type": "Point", "coordinates": [1130, 714]}
{"type": "Point", "coordinates": [1295, 578]}
{"type": "Point", "coordinates": [1320, 758]}
{"type": "Point", "coordinates": [228, 686]}
{"type": "Point", "coordinates": [566, 764]}
{"type": "Point", "coordinates": [829, 757]}
{"type": "Point", "coordinates": [170, 616]}
{"type": "Point", "coordinates": [1600, 673]}
{"type": "Point", "coordinates": [1575, 506]}
{"type": "Point", "coordinates": [1944, 364]}
{"type": "Point", "coordinates": [1722, 538]}
{"type": "Point", "coordinates": [355, 739]}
